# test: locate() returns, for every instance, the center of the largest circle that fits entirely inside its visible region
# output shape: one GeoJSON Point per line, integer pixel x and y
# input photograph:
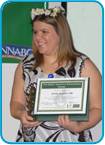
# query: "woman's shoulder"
{"type": "Point", "coordinates": [28, 58]}
{"type": "Point", "coordinates": [86, 66]}
{"type": "Point", "coordinates": [82, 57]}
{"type": "Point", "coordinates": [89, 68]}
{"type": "Point", "coordinates": [28, 62]}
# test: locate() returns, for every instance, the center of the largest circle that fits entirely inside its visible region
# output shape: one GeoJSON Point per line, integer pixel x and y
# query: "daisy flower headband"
{"type": "Point", "coordinates": [47, 12]}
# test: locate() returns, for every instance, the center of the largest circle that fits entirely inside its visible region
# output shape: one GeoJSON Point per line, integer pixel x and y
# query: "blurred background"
{"type": "Point", "coordinates": [85, 19]}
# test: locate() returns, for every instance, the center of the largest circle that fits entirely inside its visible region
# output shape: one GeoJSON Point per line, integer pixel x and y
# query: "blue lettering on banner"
{"type": "Point", "coordinates": [14, 50]}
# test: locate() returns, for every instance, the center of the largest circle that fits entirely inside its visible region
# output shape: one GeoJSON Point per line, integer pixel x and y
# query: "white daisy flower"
{"type": "Point", "coordinates": [47, 12]}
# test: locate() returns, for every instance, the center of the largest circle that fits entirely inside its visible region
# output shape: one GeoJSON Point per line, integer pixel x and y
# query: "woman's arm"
{"type": "Point", "coordinates": [18, 100]}
{"type": "Point", "coordinates": [17, 103]}
{"type": "Point", "coordinates": [95, 94]}
{"type": "Point", "coordinates": [95, 101]}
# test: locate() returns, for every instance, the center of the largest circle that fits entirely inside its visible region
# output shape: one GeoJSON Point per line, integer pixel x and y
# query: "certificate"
{"type": "Point", "coordinates": [61, 96]}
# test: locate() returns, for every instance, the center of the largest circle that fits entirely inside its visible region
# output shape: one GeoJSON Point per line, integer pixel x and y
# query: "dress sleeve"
{"type": "Point", "coordinates": [27, 64]}
{"type": "Point", "coordinates": [79, 64]}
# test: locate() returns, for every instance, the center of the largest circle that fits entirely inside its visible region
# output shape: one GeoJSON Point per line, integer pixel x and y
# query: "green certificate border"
{"type": "Point", "coordinates": [62, 83]}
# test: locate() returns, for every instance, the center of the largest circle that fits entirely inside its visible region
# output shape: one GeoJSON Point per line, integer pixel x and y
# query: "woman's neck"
{"type": "Point", "coordinates": [50, 64]}
{"type": "Point", "coordinates": [50, 60]}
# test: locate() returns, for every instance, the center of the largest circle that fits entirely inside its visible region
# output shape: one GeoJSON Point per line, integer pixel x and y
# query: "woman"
{"type": "Point", "coordinates": [53, 53]}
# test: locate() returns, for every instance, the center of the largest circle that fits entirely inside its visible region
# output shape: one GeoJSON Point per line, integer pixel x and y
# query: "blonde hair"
{"type": "Point", "coordinates": [67, 51]}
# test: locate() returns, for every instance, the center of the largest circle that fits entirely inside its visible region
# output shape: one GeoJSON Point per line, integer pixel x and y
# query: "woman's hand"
{"type": "Point", "coordinates": [65, 122]}
{"type": "Point", "coordinates": [27, 121]}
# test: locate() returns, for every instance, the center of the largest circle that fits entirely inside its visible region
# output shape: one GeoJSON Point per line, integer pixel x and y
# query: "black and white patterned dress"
{"type": "Point", "coordinates": [49, 131]}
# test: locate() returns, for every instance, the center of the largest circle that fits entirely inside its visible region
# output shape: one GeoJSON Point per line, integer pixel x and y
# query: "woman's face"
{"type": "Point", "coordinates": [45, 38]}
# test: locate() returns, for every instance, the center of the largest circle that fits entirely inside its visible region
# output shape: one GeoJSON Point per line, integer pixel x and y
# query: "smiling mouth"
{"type": "Point", "coordinates": [41, 44]}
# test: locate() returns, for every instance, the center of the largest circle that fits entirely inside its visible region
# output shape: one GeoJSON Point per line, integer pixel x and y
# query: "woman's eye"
{"type": "Point", "coordinates": [44, 31]}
